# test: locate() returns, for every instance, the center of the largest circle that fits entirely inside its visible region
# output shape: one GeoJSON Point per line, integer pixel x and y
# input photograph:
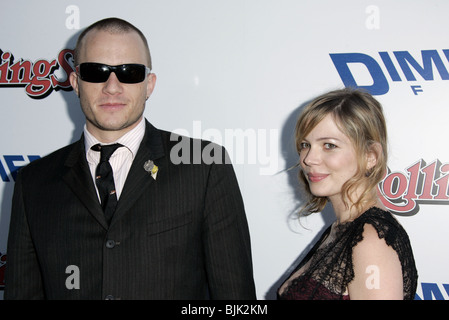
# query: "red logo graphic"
{"type": "Point", "coordinates": [2, 270]}
{"type": "Point", "coordinates": [39, 78]}
{"type": "Point", "coordinates": [421, 184]}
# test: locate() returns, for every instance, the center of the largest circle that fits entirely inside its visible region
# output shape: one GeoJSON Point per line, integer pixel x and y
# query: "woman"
{"type": "Point", "coordinates": [341, 139]}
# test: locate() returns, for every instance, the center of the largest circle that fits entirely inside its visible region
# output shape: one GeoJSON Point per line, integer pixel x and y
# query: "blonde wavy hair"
{"type": "Point", "coordinates": [360, 117]}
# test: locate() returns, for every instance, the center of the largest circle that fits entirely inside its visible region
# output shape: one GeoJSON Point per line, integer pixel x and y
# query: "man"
{"type": "Point", "coordinates": [178, 231]}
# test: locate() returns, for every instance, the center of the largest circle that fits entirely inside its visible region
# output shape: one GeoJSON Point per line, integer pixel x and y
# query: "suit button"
{"type": "Point", "coordinates": [110, 244]}
{"type": "Point", "coordinates": [109, 297]}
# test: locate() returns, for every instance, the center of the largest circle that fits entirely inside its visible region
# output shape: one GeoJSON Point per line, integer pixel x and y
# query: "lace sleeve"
{"type": "Point", "coordinates": [389, 229]}
{"type": "Point", "coordinates": [331, 264]}
{"type": "Point", "coordinates": [328, 268]}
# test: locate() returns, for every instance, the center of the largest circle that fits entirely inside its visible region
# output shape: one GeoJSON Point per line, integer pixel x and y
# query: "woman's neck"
{"type": "Point", "coordinates": [346, 212]}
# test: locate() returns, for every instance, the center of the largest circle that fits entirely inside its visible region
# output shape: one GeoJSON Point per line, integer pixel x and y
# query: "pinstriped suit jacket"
{"type": "Point", "coordinates": [181, 236]}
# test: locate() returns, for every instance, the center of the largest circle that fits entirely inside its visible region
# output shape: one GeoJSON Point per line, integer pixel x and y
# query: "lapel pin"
{"type": "Point", "coordinates": [151, 168]}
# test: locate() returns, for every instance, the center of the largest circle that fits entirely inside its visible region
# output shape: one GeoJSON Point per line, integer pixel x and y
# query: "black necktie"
{"type": "Point", "coordinates": [104, 179]}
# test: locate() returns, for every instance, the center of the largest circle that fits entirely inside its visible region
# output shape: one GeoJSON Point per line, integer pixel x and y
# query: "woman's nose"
{"type": "Point", "coordinates": [310, 156]}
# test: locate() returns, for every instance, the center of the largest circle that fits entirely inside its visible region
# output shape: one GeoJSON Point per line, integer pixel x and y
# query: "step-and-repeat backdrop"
{"type": "Point", "coordinates": [237, 72]}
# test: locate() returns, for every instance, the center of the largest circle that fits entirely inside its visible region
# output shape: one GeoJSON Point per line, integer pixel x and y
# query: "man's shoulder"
{"type": "Point", "coordinates": [172, 138]}
{"type": "Point", "coordinates": [53, 160]}
{"type": "Point", "coordinates": [188, 150]}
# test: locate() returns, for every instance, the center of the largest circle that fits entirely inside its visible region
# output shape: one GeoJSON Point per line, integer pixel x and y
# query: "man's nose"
{"type": "Point", "coordinates": [113, 85]}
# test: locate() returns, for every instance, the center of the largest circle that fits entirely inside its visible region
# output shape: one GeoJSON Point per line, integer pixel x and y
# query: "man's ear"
{"type": "Point", "coordinates": [151, 84]}
{"type": "Point", "coordinates": [74, 82]}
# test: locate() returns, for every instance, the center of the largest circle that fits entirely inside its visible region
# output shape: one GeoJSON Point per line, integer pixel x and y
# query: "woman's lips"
{"type": "Point", "coordinates": [316, 177]}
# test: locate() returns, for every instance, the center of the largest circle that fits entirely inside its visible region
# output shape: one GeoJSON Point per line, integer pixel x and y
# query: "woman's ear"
{"type": "Point", "coordinates": [373, 155]}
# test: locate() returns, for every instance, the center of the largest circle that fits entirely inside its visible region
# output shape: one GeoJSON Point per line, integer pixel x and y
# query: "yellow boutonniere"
{"type": "Point", "coordinates": [151, 168]}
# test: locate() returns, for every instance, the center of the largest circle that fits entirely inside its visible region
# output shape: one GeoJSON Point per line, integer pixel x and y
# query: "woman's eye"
{"type": "Point", "coordinates": [303, 145]}
{"type": "Point", "coordinates": [329, 146]}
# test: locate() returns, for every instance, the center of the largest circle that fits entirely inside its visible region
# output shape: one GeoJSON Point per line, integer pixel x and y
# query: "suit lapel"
{"type": "Point", "coordinates": [138, 180]}
{"type": "Point", "coordinates": [79, 180]}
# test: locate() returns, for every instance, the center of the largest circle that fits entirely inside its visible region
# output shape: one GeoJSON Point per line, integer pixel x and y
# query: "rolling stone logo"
{"type": "Point", "coordinates": [421, 184]}
{"type": "Point", "coordinates": [39, 78]}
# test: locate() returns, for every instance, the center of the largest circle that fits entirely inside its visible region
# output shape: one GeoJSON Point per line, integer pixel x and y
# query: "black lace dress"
{"type": "Point", "coordinates": [326, 271]}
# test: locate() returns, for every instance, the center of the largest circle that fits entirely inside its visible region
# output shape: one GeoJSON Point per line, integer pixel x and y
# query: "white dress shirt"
{"type": "Point", "coordinates": [121, 159]}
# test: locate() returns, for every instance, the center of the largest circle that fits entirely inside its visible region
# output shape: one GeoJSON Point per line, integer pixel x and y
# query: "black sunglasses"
{"type": "Point", "coordinates": [98, 72]}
